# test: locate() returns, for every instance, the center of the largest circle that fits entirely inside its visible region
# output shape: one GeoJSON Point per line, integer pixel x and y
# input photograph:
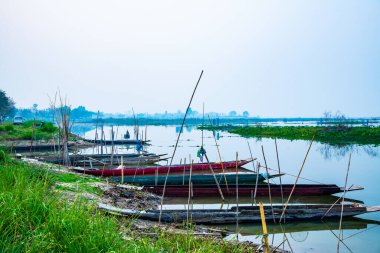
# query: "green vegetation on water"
{"type": "Point", "coordinates": [34, 218]}
{"type": "Point", "coordinates": [28, 131]}
{"type": "Point", "coordinates": [335, 135]}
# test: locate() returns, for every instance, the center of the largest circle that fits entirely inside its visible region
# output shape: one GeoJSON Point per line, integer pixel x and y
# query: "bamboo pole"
{"type": "Point", "coordinates": [188, 205]}
{"type": "Point", "coordinates": [176, 145]}
{"type": "Point", "coordinates": [279, 171]}
{"type": "Point", "coordinates": [101, 137]}
{"type": "Point", "coordinates": [269, 192]}
{"type": "Point", "coordinates": [96, 131]}
{"type": "Point", "coordinates": [334, 204]}
{"type": "Point", "coordinates": [250, 152]}
{"type": "Point", "coordinates": [122, 170]}
{"type": "Point", "coordinates": [237, 198]}
{"type": "Point", "coordinates": [344, 194]}
{"type": "Point", "coordinates": [203, 121]}
{"type": "Point", "coordinates": [220, 157]}
{"type": "Point", "coordinates": [216, 181]}
{"type": "Point", "coordinates": [257, 180]}
{"type": "Point", "coordinates": [184, 169]}
{"type": "Point", "coordinates": [112, 146]}
{"type": "Point", "coordinates": [264, 225]}
{"type": "Point", "coordinates": [146, 130]}
{"type": "Point", "coordinates": [295, 183]}
{"type": "Point", "coordinates": [286, 237]}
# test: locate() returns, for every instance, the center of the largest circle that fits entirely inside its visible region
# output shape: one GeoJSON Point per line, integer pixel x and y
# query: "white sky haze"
{"type": "Point", "coordinates": [272, 58]}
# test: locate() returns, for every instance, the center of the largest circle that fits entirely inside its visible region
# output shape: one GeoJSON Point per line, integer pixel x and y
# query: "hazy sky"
{"type": "Point", "coordinates": [272, 58]}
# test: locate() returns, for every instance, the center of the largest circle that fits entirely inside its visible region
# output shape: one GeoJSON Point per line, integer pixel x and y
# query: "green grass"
{"type": "Point", "coordinates": [44, 131]}
{"type": "Point", "coordinates": [33, 218]}
{"type": "Point", "coordinates": [332, 134]}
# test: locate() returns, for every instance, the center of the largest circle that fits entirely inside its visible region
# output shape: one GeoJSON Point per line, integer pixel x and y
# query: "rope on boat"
{"type": "Point", "coordinates": [334, 204]}
{"type": "Point", "coordinates": [303, 178]}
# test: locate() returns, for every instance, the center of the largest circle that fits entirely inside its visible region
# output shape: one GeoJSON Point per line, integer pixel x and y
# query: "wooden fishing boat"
{"type": "Point", "coordinates": [198, 179]}
{"type": "Point", "coordinates": [216, 201]}
{"type": "Point", "coordinates": [103, 159]}
{"type": "Point", "coordinates": [117, 142]}
{"type": "Point", "coordinates": [164, 169]}
{"type": "Point", "coordinates": [37, 147]}
{"type": "Point", "coordinates": [248, 214]}
{"type": "Point", "coordinates": [249, 190]}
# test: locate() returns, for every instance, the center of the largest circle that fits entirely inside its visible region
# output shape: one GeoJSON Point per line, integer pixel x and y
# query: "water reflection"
{"type": "Point", "coordinates": [304, 226]}
{"type": "Point", "coordinates": [82, 129]}
{"type": "Point", "coordinates": [340, 151]}
{"type": "Point", "coordinates": [188, 129]}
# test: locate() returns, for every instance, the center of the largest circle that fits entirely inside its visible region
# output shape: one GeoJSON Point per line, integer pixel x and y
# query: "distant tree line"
{"type": "Point", "coordinates": [7, 106]}
{"type": "Point", "coordinates": [48, 114]}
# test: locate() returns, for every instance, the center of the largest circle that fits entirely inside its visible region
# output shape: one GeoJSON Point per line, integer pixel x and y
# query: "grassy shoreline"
{"type": "Point", "coordinates": [35, 217]}
{"type": "Point", "coordinates": [335, 135]}
{"type": "Point", "coordinates": [28, 131]}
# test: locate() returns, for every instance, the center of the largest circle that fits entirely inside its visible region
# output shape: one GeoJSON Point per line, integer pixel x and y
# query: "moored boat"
{"type": "Point", "coordinates": [197, 179]}
{"type": "Point", "coordinates": [104, 159]}
{"type": "Point", "coordinates": [117, 142]}
{"type": "Point", "coordinates": [249, 190]}
{"type": "Point", "coordinates": [248, 214]}
{"type": "Point", "coordinates": [164, 169]}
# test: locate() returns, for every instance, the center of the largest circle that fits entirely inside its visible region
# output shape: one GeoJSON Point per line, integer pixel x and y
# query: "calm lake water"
{"type": "Point", "coordinates": [325, 164]}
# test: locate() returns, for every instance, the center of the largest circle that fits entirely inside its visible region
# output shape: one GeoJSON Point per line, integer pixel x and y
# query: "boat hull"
{"type": "Point", "coordinates": [198, 179]}
{"type": "Point", "coordinates": [248, 214]}
{"type": "Point", "coordinates": [164, 169]}
{"type": "Point", "coordinates": [249, 190]}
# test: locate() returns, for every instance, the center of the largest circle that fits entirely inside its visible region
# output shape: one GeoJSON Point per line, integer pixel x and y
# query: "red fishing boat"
{"type": "Point", "coordinates": [163, 169]}
{"type": "Point", "coordinates": [249, 190]}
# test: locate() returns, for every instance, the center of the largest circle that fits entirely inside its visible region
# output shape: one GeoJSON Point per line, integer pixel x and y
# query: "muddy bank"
{"type": "Point", "coordinates": [71, 185]}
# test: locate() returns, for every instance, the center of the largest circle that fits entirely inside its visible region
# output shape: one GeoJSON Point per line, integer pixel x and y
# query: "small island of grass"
{"type": "Point", "coordinates": [335, 135]}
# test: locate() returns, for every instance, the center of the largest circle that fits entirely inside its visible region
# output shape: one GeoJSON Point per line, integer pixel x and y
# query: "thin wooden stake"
{"type": "Point", "coordinates": [257, 180]}
{"type": "Point", "coordinates": [270, 194]}
{"type": "Point", "coordinates": [101, 142]}
{"type": "Point", "coordinates": [220, 157]}
{"type": "Point", "coordinates": [216, 181]}
{"type": "Point", "coordinates": [203, 121]}
{"type": "Point", "coordinates": [146, 130]}
{"type": "Point", "coordinates": [184, 169]}
{"type": "Point", "coordinates": [250, 151]}
{"type": "Point", "coordinates": [112, 146]}
{"type": "Point", "coordinates": [279, 171]}
{"type": "Point", "coordinates": [188, 205]}
{"type": "Point", "coordinates": [328, 210]}
{"type": "Point", "coordinates": [264, 224]}
{"type": "Point", "coordinates": [176, 145]}
{"type": "Point", "coordinates": [122, 170]}
{"type": "Point", "coordinates": [341, 213]}
{"type": "Point", "coordinates": [295, 183]}
{"type": "Point", "coordinates": [237, 198]}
